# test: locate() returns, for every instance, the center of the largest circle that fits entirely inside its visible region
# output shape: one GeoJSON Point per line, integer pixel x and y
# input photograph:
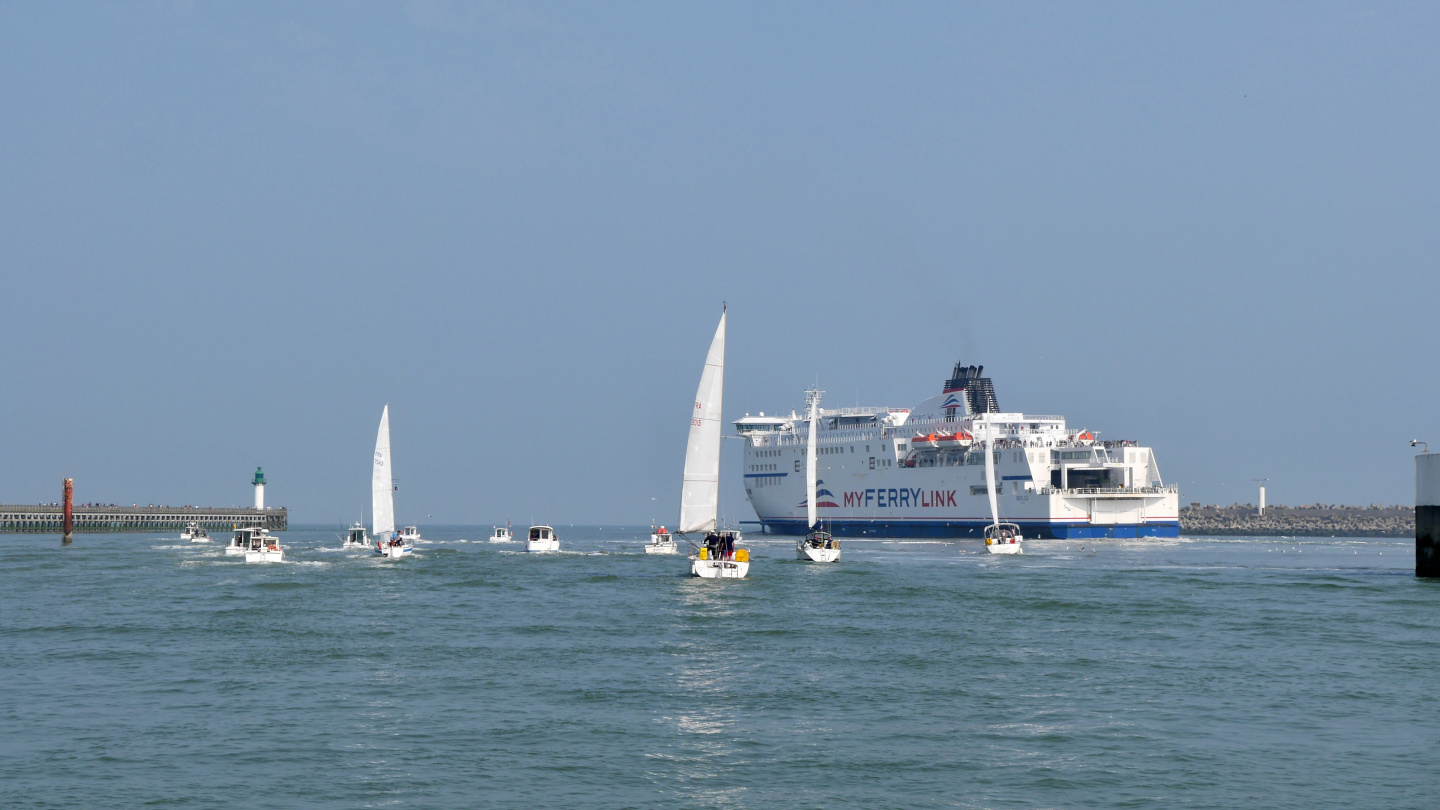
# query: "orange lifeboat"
{"type": "Point", "coordinates": [958, 439]}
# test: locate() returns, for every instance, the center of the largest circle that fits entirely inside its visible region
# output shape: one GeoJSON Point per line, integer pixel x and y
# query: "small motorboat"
{"type": "Point", "coordinates": [661, 542]}
{"type": "Point", "coordinates": [410, 534]}
{"type": "Point", "coordinates": [239, 542]}
{"type": "Point", "coordinates": [260, 546]}
{"type": "Point", "coordinates": [721, 557]}
{"type": "Point", "coordinates": [502, 534]}
{"type": "Point", "coordinates": [357, 538]}
{"type": "Point", "coordinates": [542, 538]}
{"type": "Point", "coordinates": [1003, 538]}
{"type": "Point", "coordinates": [194, 533]}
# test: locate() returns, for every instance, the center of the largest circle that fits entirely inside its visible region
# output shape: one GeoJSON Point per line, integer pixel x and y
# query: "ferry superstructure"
{"type": "Point", "coordinates": [920, 472]}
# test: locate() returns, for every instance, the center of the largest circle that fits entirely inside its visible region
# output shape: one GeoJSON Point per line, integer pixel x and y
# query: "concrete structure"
{"type": "Point", "coordinates": [1427, 514]}
{"type": "Point", "coordinates": [50, 519]}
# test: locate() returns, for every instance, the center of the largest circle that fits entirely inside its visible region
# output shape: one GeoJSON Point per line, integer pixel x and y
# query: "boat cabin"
{"type": "Point", "coordinates": [541, 533]}
{"type": "Point", "coordinates": [357, 535]}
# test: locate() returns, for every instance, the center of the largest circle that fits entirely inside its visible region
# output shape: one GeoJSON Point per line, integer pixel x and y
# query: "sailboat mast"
{"type": "Point", "coordinates": [812, 398]}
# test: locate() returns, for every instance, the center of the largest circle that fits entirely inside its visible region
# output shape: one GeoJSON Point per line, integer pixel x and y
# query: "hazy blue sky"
{"type": "Point", "coordinates": [229, 233]}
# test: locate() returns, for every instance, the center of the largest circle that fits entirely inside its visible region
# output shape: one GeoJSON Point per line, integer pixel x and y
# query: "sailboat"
{"type": "Point", "coordinates": [1000, 538]}
{"type": "Point", "coordinates": [720, 557]}
{"type": "Point", "coordinates": [382, 496]}
{"type": "Point", "coordinates": [817, 545]}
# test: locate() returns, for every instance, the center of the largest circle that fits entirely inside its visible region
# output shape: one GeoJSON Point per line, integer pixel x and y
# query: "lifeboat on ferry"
{"type": "Point", "coordinates": [960, 439]}
{"type": "Point", "coordinates": [1085, 437]}
{"type": "Point", "coordinates": [929, 442]}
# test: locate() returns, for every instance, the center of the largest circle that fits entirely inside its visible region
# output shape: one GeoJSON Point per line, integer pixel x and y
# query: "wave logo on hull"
{"type": "Point", "coordinates": [953, 401]}
{"type": "Point", "coordinates": [823, 497]}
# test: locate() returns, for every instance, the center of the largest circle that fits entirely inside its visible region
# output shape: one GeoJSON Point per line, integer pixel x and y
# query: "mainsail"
{"type": "Point", "coordinates": [810, 474]}
{"type": "Point", "coordinates": [700, 494]}
{"type": "Point", "coordinates": [382, 486]}
{"type": "Point", "coordinates": [990, 478]}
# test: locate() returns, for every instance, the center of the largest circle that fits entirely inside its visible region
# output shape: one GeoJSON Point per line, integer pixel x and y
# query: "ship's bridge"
{"type": "Point", "coordinates": [760, 424]}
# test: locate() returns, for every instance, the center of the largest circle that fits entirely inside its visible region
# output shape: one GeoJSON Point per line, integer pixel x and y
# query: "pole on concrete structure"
{"type": "Point", "coordinates": [1427, 512]}
{"type": "Point", "coordinates": [1261, 481]}
{"type": "Point", "coordinates": [68, 527]}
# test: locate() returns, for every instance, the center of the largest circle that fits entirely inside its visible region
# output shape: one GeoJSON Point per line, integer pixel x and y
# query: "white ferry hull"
{"type": "Point", "coordinates": [719, 569]}
{"type": "Point", "coordinates": [937, 502]}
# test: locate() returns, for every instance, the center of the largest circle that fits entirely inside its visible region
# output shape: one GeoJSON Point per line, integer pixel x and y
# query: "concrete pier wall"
{"type": "Point", "coordinates": [49, 519]}
{"type": "Point", "coordinates": [1427, 515]}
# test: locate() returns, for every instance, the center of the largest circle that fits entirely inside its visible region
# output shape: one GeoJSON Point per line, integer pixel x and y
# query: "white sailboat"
{"type": "Point", "coordinates": [382, 496]}
{"type": "Point", "coordinates": [1000, 538]}
{"type": "Point", "coordinates": [720, 557]}
{"type": "Point", "coordinates": [817, 545]}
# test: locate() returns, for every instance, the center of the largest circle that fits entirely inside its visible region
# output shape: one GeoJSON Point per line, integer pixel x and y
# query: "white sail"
{"type": "Point", "coordinates": [382, 483]}
{"type": "Point", "coordinates": [700, 493]}
{"type": "Point", "coordinates": [990, 478]}
{"type": "Point", "coordinates": [810, 472]}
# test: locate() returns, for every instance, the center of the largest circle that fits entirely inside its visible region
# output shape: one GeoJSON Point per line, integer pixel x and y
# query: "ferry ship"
{"type": "Point", "coordinates": [921, 472]}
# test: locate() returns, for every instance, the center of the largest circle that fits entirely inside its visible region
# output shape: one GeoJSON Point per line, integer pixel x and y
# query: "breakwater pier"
{"type": "Point", "coordinates": [50, 518]}
{"type": "Point", "coordinates": [1314, 520]}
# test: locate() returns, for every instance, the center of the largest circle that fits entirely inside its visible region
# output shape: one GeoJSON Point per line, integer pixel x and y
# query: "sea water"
{"type": "Point", "coordinates": [1268, 672]}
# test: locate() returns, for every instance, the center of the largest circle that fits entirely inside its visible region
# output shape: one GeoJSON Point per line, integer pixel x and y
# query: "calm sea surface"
{"type": "Point", "coordinates": [1198, 673]}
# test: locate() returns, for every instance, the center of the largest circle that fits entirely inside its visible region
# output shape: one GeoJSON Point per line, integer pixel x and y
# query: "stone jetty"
{"type": "Point", "coordinates": [1314, 520]}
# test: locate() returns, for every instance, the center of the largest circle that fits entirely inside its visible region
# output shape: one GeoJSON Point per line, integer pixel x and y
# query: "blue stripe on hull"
{"type": "Point", "coordinates": [959, 529]}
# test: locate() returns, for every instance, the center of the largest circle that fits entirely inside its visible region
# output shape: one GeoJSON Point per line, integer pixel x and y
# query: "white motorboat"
{"type": "Point", "coordinates": [502, 534]}
{"type": "Point", "coordinates": [1000, 538]}
{"type": "Point", "coordinates": [194, 533]}
{"type": "Point", "coordinates": [542, 538]}
{"type": "Point", "coordinates": [259, 546]}
{"type": "Point", "coordinates": [410, 534]}
{"type": "Point", "coordinates": [817, 545]}
{"type": "Point", "coordinates": [388, 544]}
{"type": "Point", "coordinates": [357, 538]}
{"type": "Point", "coordinates": [239, 542]}
{"type": "Point", "coordinates": [661, 542]}
{"type": "Point", "coordinates": [721, 556]}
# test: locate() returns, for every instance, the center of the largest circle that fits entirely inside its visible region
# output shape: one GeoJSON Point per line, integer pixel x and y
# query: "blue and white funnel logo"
{"type": "Point", "coordinates": [823, 497]}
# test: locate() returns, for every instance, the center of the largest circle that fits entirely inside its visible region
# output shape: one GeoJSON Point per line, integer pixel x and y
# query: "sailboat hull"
{"type": "Point", "coordinates": [395, 552]}
{"type": "Point", "coordinates": [808, 553]}
{"type": "Point", "coordinates": [1004, 548]}
{"type": "Point", "coordinates": [719, 569]}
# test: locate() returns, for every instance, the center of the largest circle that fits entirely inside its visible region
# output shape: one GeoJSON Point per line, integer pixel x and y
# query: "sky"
{"type": "Point", "coordinates": [231, 232]}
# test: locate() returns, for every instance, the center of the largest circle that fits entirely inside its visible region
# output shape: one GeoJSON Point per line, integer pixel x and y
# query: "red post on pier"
{"type": "Point", "coordinates": [69, 525]}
